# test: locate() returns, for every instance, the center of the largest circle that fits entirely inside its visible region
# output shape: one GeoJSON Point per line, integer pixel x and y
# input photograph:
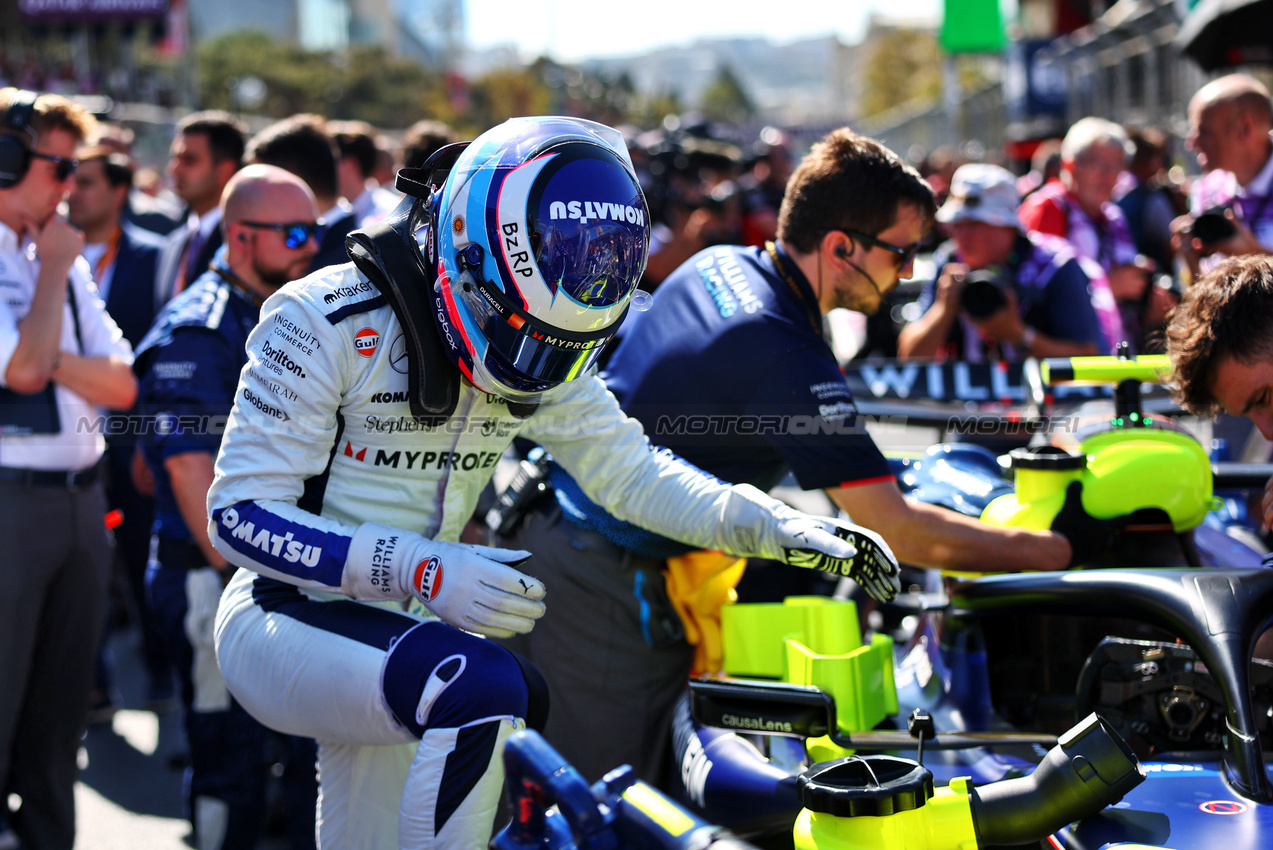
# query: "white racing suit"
{"type": "Point", "coordinates": [410, 713]}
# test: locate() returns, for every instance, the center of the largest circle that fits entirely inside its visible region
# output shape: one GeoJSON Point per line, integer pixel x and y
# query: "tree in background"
{"type": "Point", "coordinates": [364, 84]}
{"type": "Point", "coordinates": [726, 100]}
{"type": "Point", "coordinates": [368, 84]}
{"type": "Point", "coordinates": [903, 65]}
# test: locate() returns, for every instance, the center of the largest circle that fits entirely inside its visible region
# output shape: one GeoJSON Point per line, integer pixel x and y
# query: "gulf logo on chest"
{"type": "Point", "coordinates": [366, 341]}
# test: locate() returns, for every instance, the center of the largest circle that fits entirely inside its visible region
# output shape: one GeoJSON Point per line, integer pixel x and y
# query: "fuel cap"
{"type": "Point", "coordinates": [865, 785]}
{"type": "Point", "coordinates": [1047, 457]}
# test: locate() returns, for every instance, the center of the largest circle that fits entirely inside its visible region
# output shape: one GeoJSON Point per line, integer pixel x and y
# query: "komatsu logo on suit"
{"type": "Point", "coordinates": [278, 545]}
{"type": "Point", "coordinates": [586, 211]}
{"type": "Point", "coordinates": [428, 578]}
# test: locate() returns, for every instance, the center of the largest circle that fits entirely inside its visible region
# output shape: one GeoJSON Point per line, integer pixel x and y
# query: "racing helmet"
{"type": "Point", "coordinates": [541, 236]}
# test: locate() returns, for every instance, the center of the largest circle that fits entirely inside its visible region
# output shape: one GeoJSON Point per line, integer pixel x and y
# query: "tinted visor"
{"type": "Point", "coordinates": [523, 354]}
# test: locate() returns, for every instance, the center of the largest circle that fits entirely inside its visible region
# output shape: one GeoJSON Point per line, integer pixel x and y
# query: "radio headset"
{"type": "Point", "coordinates": [15, 152]}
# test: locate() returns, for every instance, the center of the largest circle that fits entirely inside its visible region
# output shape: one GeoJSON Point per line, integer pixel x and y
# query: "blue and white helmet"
{"type": "Point", "coordinates": [542, 235]}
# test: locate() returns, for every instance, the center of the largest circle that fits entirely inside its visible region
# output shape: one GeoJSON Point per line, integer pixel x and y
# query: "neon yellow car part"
{"type": "Point", "coordinates": [1127, 469]}
{"type": "Point", "coordinates": [943, 823]}
{"type": "Point", "coordinates": [813, 640]}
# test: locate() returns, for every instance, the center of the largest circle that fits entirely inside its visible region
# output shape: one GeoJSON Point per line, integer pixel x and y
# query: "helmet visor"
{"type": "Point", "coordinates": [521, 352]}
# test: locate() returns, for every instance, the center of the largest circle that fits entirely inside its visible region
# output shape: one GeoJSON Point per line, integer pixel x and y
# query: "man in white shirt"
{"type": "Point", "coordinates": [61, 360]}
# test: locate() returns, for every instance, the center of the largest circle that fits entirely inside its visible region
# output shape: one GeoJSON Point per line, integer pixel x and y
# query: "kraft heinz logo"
{"type": "Point", "coordinates": [366, 341]}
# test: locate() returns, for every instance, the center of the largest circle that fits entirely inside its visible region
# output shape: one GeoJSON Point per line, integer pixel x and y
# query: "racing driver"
{"type": "Point", "coordinates": [375, 403]}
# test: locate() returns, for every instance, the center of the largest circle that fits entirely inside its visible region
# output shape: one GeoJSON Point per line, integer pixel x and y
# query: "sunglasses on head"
{"type": "Point", "coordinates": [901, 256]}
{"type": "Point", "coordinates": [65, 167]}
{"type": "Point", "coordinates": [295, 234]}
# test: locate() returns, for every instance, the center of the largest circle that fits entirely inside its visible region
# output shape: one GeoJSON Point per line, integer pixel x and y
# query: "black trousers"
{"type": "Point", "coordinates": [54, 569]}
{"type": "Point", "coordinates": [610, 645]}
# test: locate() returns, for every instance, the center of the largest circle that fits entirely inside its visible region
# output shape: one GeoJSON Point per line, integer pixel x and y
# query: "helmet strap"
{"type": "Point", "coordinates": [386, 252]}
{"type": "Point", "coordinates": [421, 182]}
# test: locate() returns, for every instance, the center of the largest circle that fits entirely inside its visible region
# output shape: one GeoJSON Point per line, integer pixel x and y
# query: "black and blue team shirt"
{"type": "Point", "coordinates": [729, 370]}
{"type": "Point", "coordinates": [188, 368]}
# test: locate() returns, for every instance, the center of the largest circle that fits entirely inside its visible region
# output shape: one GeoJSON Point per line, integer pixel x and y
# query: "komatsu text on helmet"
{"type": "Point", "coordinates": [540, 235]}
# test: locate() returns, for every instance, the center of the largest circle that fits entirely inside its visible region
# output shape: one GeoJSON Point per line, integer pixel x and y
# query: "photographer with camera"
{"type": "Point", "coordinates": [1231, 205]}
{"type": "Point", "coordinates": [1000, 294]}
{"type": "Point", "coordinates": [1080, 209]}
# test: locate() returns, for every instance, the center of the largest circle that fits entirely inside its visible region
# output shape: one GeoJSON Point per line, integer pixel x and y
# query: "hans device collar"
{"type": "Point", "coordinates": [387, 253]}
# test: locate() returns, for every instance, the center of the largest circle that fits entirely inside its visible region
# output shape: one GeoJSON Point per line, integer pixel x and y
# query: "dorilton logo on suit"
{"type": "Point", "coordinates": [428, 578]}
{"type": "Point", "coordinates": [279, 357]}
{"type": "Point", "coordinates": [366, 341]}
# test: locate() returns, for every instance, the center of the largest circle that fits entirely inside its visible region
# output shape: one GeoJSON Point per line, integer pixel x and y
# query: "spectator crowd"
{"type": "Point", "coordinates": [169, 263]}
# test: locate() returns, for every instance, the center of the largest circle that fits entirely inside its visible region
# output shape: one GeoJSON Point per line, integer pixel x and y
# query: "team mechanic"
{"type": "Point", "coordinates": [344, 501]}
{"type": "Point", "coordinates": [730, 370]}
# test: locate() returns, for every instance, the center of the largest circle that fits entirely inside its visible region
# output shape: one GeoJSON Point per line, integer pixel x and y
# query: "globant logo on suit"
{"type": "Point", "coordinates": [263, 406]}
{"type": "Point", "coordinates": [428, 578]}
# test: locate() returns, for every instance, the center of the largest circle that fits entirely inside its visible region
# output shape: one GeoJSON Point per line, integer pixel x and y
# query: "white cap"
{"type": "Point", "coordinates": [982, 192]}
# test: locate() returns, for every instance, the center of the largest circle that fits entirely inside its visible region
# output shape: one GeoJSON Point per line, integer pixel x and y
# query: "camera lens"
{"type": "Point", "coordinates": [983, 294]}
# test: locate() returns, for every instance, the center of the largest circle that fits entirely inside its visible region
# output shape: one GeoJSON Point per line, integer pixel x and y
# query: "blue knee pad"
{"type": "Point", "coordinates": [459, 677]}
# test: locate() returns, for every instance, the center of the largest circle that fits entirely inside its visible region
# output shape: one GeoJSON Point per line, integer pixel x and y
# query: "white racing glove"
{"type": "Point", "coordinates": [813, 542]}
{"type": "Point", "coordinates": [471, 587]}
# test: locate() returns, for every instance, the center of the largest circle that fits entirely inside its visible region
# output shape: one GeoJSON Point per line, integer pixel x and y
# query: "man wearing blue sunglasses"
{"type": "Point", "coordinates": [189, 365]}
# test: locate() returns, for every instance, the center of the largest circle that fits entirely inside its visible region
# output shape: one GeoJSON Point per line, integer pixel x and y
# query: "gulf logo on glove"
{"type": "Point", "coordinates": [366, 341]}
{"type": "Point", "coordinates": [428, 578]}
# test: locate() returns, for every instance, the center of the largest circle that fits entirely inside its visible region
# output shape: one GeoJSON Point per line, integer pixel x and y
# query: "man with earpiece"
{"type": "Point", "coordinates": [730, 369]}
{"type": "Point", "coordinates": [62, 359]}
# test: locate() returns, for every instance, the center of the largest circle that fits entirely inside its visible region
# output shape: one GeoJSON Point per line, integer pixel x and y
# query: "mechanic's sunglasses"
{"type": "Point", "coordinates": [901, 256]}
{"type": "Point", "coordinates": [295, 235]}
{"type": "Point", "coordinates": [65, 167]}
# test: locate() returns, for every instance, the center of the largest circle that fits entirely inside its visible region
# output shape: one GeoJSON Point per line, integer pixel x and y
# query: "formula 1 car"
{"type": "Point", "coordinates": [1156, 638]}
{"type": "Point", "coordinates": [855, 802]}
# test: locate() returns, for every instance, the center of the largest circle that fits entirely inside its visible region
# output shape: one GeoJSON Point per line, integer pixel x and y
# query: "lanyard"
{"type": "Point", "coordinates": [242, 288]}
{"type": "Point", "coordinates": [107, 259]}
{"type": "Point", "coordinates": [814, 314]}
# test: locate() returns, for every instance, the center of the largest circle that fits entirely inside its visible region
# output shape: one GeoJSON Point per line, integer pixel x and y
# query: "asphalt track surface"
{"type": "Point", "coordinates": [129, 793]}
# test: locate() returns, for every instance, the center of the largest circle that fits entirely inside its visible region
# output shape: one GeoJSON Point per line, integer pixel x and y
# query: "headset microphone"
{"type": "Point", "coordinates": [870, 279]}
{"type": "Point", "coordinates": [844, 255]}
